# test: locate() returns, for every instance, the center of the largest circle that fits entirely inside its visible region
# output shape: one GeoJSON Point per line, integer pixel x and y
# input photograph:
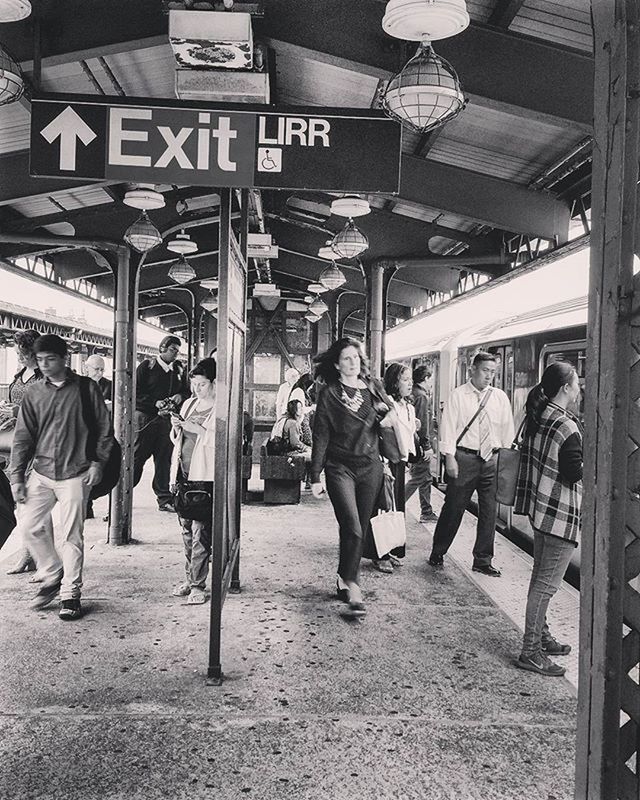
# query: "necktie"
{"type": "Point", "coordinates": [486, 448]}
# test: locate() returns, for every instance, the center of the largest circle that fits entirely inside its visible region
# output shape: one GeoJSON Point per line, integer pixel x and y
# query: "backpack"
{"type": "Point", "coordinates": [111, 472]}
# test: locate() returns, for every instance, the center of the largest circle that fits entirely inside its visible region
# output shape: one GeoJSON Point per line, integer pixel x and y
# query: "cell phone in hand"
{"type": "Point", "coordinates": [175, 415]}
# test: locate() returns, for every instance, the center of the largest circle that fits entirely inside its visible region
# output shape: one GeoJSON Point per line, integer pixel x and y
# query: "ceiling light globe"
{"type": "Point", "coordinates": [415, 20]}
{"type": "Point", "coordinates": [142, 235]}
{"type": "Point", "coordinates": [332, 277]}
{"type": "Point", "coordinates": [14, 10]}
{"type": "Point", "coordinates": [316, 288]}
{"type": "Point", "coordinates": [11, 79]}
{"type": "Point", "coordinates": [182, 243]}
{"type": "Point", "coordinates": [318, 307]}
{"type": "Point", "coordinates": [210, 303]}
{"type": "Point", "coordinates": [350, 242]}
{"type": "Point", "coordinates": [182, 272]}
{"type": "Point", "coordinates": [350, 206]}
{"type": "Point", "coordinates": [312, 317]}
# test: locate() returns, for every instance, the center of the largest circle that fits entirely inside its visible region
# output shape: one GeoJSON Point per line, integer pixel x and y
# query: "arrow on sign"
{"type": "Point", "coordinates": [69, 127]}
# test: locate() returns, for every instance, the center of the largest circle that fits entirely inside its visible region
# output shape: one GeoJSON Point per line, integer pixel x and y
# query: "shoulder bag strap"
{"type": "Point", "coordinates": [484, 402]}
{"type": "Point", "coordinates": [88, 416]}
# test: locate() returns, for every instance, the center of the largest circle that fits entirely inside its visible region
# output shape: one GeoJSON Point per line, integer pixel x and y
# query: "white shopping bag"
{"type": "Point", "coordinates": [388, 531]}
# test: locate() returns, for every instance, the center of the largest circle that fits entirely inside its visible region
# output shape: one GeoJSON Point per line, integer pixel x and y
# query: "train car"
{"type": "Point", "coordinates": [524, 345]}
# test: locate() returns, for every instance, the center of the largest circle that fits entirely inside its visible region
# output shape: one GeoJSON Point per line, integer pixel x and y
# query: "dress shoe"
{"type": "Point", "coordinates": [342, 592]}
{"type": "Point", "coordinates": [437, 562]}
{"type": "Point", "coordinates": [487, 569]}
{"type": "Point", "coordinates": [70, 610]}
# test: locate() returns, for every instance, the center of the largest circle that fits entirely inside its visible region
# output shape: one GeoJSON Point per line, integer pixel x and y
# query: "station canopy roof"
{"type": "Point", "coordinates": [507, 178]}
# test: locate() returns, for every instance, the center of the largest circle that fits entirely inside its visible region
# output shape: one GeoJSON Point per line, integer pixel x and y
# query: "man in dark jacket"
{"type": "Point", "coordinates": [421, 478]}
{"type": "Point", "coordinates": [50, 464]}
{"type": "Point", "coordinates": [161, 387]}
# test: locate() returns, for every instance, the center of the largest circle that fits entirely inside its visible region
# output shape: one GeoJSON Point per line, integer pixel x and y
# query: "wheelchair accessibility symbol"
{"type": "Point", "coordinates": [269, 159]}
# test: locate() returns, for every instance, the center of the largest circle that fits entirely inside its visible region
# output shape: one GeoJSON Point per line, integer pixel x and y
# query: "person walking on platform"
{"type": "Point", "coordinates": [161, 387]}
{"type": "Point", "coordinates": [94, 368]}
{"type": "Point", "coordinates": [549, 492]}
{"type": "Point", "coordinates": [397, 385]}
{"type": "Point", "coordinates": [476, 422]}
{"type": "Point", "coordinates": [350, 407]}
{"type": "Point", "coordinates": [284, 390]}
{"type": "Point", "coordinates": [420, 471]}
{"type": "Point", "coordinates": [193, 436]}
{"type": "Point", "coordinates": [51, 432]}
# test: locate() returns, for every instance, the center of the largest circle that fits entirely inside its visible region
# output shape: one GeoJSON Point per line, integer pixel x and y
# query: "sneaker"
{"type": "Point", "coordinates": [541, 664]}
{"type": "Point", "coordinates": [197, 596]}
{"type": "Point", "coordinates": [430, 517]}
{"type": "Point", "coordinates": [181, 590]}
{"type": "Point", "coordinates": [70, 609]}
{"type": "Point", "coordinates": [554, 648]}
{"type": "Point", "coordinates": [46, 594]}
{"type": "Point", "coordinates": [383, 566]}
{"type": "Point", "coordinates": [437, 562]}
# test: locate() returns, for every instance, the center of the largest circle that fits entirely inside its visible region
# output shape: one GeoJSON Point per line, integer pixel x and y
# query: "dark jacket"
{"type": "Point", "coordinates": [422, 405]}
{"type": "Point", "coordinates": [105, 386]}
{"type": "Point", "coordinates": [341, 435]}
{"type": "Point", "coordinates": [153, 384]}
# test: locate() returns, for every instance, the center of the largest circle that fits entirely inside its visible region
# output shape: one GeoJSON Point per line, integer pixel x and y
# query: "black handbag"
{"type": "Point", "coordinates": [420, 455]}
{"type": "Point", "coordinates": [507, 469]}
{"type": "Point", "coordinates": [194, 500]}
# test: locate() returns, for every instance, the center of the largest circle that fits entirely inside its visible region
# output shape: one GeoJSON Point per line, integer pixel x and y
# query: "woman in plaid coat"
{"type": "Point", "coordinates": [549, 492]}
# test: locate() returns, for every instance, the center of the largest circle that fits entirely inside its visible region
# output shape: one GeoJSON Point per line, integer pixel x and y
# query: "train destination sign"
{"type": "Point", "coordinates": [147, 141]}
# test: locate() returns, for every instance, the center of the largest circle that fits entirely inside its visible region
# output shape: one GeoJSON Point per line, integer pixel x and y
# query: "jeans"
{"type": "Point", "coordinates": [42, 495]}
{"type": "Point", "coordinates": [474, 474]}
{"type": "Point", "coordinates": [152, 439]}
{"type": "Point", "coordinates": [421, 480]}
{"type": "Point", "coordinates": [196, 537]}
{"type": "Point", "coordinates": [551, 557]}
{"type": "Point", "coordinates": [353, 491]}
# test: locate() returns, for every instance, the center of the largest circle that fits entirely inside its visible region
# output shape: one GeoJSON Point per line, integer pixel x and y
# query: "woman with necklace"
{"type": "Point", "coordinates": [350, 408]}
{"type": "Point", "coordinates": [549, 492]}
{"type": "Point", "coordinates": [193, 434]}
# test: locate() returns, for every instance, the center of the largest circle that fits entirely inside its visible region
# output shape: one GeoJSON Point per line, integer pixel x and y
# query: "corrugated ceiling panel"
{"type": "Point", "coordinates": [68, 200]}
{"type": "Point", "coordinates": [14, 128]}
{"type": "Point", "coordinates": [566, 22]}
{"type": "Point", "coordinates": [67, 78]}
{"type": "Point", "coordinates": [498, 144]}
{"type": "Point", "coordinates": [480, 10]}
{"type": "Point", "coordinates": [144, 73]}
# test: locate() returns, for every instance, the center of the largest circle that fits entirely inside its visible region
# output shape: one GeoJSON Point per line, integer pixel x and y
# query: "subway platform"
{"type": "Point", "coordinates": [418, 700]}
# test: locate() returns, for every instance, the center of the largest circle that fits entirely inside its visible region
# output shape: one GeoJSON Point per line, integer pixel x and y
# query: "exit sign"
{"type": "Point", "coordinates": [144, 141]}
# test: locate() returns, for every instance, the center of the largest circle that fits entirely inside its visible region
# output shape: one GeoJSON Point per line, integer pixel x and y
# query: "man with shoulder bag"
{"type": "Point", "coordinates": [477, 421]}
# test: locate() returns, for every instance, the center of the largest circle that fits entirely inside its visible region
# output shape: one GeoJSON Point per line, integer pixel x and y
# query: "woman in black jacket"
{"type": "Point", "coordinates": [350, 408]}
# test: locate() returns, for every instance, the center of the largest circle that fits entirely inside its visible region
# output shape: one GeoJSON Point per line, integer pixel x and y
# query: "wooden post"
{"type": "Point", "coordinates": [606, 740]}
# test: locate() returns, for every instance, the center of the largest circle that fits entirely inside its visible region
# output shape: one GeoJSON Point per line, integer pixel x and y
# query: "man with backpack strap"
{"type": "Point", "coordinates": [50, 464]}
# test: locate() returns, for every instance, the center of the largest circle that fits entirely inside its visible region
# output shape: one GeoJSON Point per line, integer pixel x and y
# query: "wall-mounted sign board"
{"type": "Point", "coordinates": [184, 143]}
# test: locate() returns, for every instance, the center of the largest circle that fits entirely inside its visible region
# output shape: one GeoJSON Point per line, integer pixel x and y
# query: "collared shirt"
{"type": "Point", "coordinates": [460, 408]}
{"type": "Point", "coordinates": [51, 430]}
{"type": "Point", "coordinates": [166, 367]}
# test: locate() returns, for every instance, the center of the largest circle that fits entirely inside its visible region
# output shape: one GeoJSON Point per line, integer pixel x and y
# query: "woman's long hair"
{"type": "Point", "coordinates": [326, 362]}
{"type": "Point", "coordinates": [304, 382]}
{"type": "Point", "coordinates": [392, 376]}
{"type": "Point", "coordinates": [555, 376]}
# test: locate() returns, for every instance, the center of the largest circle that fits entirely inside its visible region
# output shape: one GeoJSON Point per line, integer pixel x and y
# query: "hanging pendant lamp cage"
{"type": "Point", "coordinates": [425, 93]}
{"type": "Point", "coordinates": [350, 242]}
{"type": "Point", "coordinates": [182, 243]}
{"type": "Point", "coordinates": [181, 271]}
{"type": "Point", "coordinates": [210, 303]}
{"type": "Point", "coordinates": [142, 235]}
{"type": "Point", "coordinates": [12, 82]}
{"type": "Point", "coordinates": [318, 307]}
{"type": "Point", "coordinates": [313, 318]}
{"type": "Point", "coordinates": [332, 277]}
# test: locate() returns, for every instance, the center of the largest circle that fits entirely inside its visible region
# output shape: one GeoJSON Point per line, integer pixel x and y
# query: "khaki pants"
{"type": "Point", "coordinates": [42, 495]}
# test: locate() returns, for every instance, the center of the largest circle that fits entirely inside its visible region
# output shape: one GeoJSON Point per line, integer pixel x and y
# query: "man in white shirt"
{"type": "Point", "coordinates": [282, 398]}
{"type": "Point", "coordinates": [477, 420]}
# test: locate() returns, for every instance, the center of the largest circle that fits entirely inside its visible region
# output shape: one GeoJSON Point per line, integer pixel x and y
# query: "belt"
{"type": "Point", "coordinates": [474, 452]}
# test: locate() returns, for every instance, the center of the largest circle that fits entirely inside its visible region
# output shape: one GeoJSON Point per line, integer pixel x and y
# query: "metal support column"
{"type": "Point", "coordinates": [124, 375]}
{"type": "Point", "coordinates": [375, 316]}
{"type": "Point", "coordinates": [608, 741]}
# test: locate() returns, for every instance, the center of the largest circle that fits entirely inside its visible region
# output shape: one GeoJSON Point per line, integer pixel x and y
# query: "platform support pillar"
{"type": "Point", "coordinates": [608, 739]}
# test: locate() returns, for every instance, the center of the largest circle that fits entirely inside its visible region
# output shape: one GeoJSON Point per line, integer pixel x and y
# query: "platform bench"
{"type": "Point", "coordinates": [282, 476]}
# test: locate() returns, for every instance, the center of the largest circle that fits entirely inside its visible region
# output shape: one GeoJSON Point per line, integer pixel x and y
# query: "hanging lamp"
{"type": "Point", "coordinates": [11, 79]}
{"type": "Point", "coordinates": [210, 303]}
{"type": "Point", "coordinates": [351, 205]}
{"type": "Point", "coordinates": [145, 197]}
{"type": "Point", "coordinates": [425, 93]}
{"type": "Point", "coordinates": [350, 242]}
{"type": "Point", "coordinates": [143, 235]}
{"type": "Point", "coordinates": [318, 307]}
{"type": "Point", "coordinates": [312, 317]}
{"type": "Point", "coordinates": [332, 277]}
{"type": "Point", "coordinates": [181, 271]}
{"type": "Point", "coordinates": [416, 20]}
{"type": "Point", "coordinates": [14, 10]}
{"type": "Point", "coordinates": [316, 288]}
{"type": "Point", "coordinates": [182, 243]}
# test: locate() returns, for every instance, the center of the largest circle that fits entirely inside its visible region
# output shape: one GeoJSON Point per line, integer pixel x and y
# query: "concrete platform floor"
{"type": "Point", "coordinates": [419, 700]}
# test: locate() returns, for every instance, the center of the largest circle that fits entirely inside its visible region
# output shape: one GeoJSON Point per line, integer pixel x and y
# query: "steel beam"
{"type": "Point", "coordinates": [505, 12]}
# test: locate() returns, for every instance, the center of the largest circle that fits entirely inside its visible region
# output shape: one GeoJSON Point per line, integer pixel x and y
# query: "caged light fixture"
{"type": "Point", "coordinates": [350, 242]}
{"type": "Point", "coordinates": [143, 235]}
{"type": "Point", "coordinates": [313, 318]}
{"type": "Point", "coordinates": [332, 277]}
{"type": "Point", "coordinates": [425, 93]}
{"type": "Point", "coordinates": [12, 83]}
{"type": "Point", "coordinates": [318, 307]}
{"type": "Point", "coordinates": [182, 243]}
{"type": "Point", "coordinates": [210, 303]}
{"type": "Point", "coordinates": [181, 272]}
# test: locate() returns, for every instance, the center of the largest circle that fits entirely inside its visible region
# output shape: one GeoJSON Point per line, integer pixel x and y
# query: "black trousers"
{"type": "Point", "coordinates": [152, 439]}
{"type": "Point", "coordinates": [353, 491]}
{"type": "Point", "coordinates": [474, 474]}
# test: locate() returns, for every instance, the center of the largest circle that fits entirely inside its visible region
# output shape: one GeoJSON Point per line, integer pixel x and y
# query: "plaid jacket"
{"type": "Point", "coordinates": [551, 503]}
